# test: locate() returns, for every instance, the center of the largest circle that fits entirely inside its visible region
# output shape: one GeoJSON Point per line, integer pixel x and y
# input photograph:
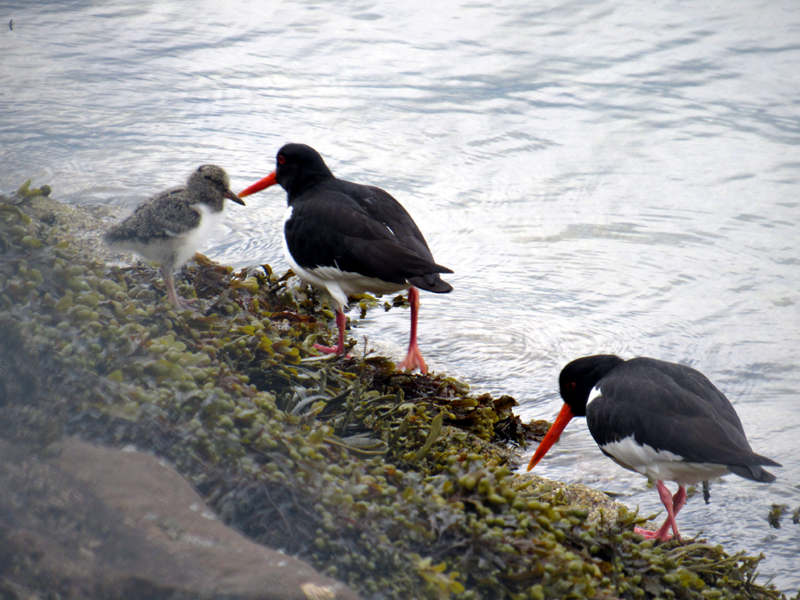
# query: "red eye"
{"type": "Point", "coordinates": [572, 385]}
{"type": "Point", "coordinates": [281, 160]}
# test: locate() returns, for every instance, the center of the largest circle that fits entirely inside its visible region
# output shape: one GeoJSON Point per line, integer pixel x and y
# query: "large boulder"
{"type": "Point", "coordinates": [103, 523]}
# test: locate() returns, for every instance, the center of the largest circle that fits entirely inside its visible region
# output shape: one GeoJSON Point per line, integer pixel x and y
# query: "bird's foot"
{"type": "Point", "coordinates": [413, 361]}
{"type": "Point", "coordinates": [177, 301]}
{"type": "Point", "coordinates": [169, 284]}
{"type": "Point", "coordinates": [185, 303]}
{"type": "Point", "coordinates": [331, 350]}
{"type": "Point", "coordinates": [649, 534]}
{"type": "Point", "coordinates": [661, 535]}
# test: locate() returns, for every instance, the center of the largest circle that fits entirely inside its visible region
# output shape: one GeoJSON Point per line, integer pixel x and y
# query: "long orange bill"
{"type": "Point", "coordinates": [564, 417]}
{"type": "Point", "coordinates": [269, 180]}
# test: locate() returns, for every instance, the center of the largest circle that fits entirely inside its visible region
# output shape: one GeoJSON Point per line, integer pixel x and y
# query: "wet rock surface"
{"type": "Point", "coordinates": [91, 522]}
{"type": "Point", "coordinates": [399, 486]}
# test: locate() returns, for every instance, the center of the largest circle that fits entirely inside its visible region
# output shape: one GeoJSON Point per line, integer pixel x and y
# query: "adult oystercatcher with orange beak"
{"type": "Point", "coordinates": [346, 238]}
{"type": "Point", "coordinates": [663, 420]}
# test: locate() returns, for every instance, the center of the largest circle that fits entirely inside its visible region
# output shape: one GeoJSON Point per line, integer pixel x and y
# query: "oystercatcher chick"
{"type": "Point", "coordinates": [171, 226]}
{"type": "Point", "coordinates": [663, 420]}
{"type": "Point", "coordinates": [345, 238]}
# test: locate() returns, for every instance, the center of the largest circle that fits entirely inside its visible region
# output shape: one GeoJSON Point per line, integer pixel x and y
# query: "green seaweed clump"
{"type": "Point", "coordinates": [400, 485]}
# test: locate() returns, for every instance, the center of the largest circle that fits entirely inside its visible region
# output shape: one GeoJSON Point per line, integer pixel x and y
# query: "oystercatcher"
{"type": "Point", "coordinates": [346, 238]}
{"type": "Point", "coordinates": [169, 227]}
{"type": "Point", "coordinates": [663, 420]}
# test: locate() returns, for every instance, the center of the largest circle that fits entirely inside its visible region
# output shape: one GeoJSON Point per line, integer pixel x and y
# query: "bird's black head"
{"type": "Point", "coordinates": [579, 377]}
{"type": "Point", "coordinates": [299, 166]}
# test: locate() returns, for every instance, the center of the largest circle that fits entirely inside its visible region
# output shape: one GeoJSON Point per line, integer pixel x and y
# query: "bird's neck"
{"type": "Point", "coordinates": [299, 188]}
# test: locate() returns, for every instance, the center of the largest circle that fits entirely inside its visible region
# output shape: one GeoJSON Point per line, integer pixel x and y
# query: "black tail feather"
{"type": "Point", "coordinates": [754, 472]}
{"type": "Point", "coordinates": [431, 282]}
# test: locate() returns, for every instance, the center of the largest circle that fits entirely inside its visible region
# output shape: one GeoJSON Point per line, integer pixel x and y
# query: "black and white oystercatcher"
{"type": "Point", "coordinates": [346, 238]}
{"type": "Point", "coordinates": [171, 226]}
{"type": "Point", "coordinates": [663, 420]}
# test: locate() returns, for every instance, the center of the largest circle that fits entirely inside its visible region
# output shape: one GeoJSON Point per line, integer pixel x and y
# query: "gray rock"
{"type": "Point", "coordinates": [102, 523]}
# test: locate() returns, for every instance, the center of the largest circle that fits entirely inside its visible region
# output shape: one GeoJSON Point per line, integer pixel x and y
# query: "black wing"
{"type": "Point", "coordinates": [358, 241]}
{"type": "Point", "coordinates": [671, 407]}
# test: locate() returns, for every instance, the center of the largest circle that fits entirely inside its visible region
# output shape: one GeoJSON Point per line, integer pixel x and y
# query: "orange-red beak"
{"type": "Point", "coordinates": [269, 180]}
{"type": "Point", "coordinates": [564, 417]}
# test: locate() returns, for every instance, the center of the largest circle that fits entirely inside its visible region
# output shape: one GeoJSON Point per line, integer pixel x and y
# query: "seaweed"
{"type": "Point", "coordinates": [400, 485]}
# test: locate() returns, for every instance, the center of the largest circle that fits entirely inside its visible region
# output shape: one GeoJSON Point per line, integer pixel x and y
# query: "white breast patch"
{"type": "Point", "coordinates": [196, 238]}
{"type": "Point", "coordinates": [593, 395]}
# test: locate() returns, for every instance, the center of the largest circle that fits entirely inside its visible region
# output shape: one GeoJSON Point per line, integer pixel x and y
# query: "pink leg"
{"type": "Point", "coordinates": [169, 283]}
{"type": "Point", "coordinates": [673, 504]}
{"type": "Point", "coordinates": [341, 324]}
{"type": "Point", "coordinates": [678, 501]}
{"type": "Point", "coordinates": [414, 358]}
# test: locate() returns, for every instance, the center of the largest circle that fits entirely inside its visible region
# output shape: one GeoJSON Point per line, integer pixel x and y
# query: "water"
{"type": "Point", "coordinates": [601, 176]}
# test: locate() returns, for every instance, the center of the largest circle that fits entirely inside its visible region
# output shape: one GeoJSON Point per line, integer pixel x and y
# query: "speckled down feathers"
{"type": "Point", "coordinates": [164, 215]}
{"type": "Point", "coordinates": [158, 229]}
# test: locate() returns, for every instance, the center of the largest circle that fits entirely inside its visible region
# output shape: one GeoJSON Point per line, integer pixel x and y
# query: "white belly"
{"type": "Point", "coordinates": [661, 465]}
{"type": "Point", "coordinates": [198, 237]}
{"type": "Point", "coordinates": [176, 249]}
{"type": "Point", "coordinates": [156, 250]}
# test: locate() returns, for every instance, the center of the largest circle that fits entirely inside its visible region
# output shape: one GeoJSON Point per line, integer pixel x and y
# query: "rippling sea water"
{"type": "Point", "coordinates": [602, 176]}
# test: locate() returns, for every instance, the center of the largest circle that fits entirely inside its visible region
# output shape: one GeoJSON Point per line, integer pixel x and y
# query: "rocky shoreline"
{"type": "Point", "coordinates": [367, 482]}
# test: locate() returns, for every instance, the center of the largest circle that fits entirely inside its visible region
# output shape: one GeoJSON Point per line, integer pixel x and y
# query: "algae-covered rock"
{"type": "Point", "coordinates": [400, 486]}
